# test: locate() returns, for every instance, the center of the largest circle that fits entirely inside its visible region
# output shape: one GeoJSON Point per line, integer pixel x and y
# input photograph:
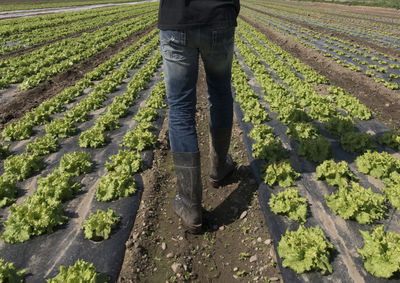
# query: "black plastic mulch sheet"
{"type": "Point", "coordinates": [347, 264]}
{"type": "Point", "coordinates": [43, 255]}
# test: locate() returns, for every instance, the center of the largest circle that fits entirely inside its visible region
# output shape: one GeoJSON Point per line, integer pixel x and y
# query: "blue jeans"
{"type": "Point", "coordinates": [180, 51]}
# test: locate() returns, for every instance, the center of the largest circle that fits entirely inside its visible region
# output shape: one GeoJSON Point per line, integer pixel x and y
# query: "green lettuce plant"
{"type": "Point", "coordinates": [4, 152]}
{"type": "Point", "coordinates": [8, 190]}
{"type": "Point", "coordinates": [22, 166]}
{"type": "Point", "coordinates": [61, 128]}
{"type": "Point", "coordinates": [269, 149]}
{"type": "Point", "coordinates": [339, 125]}
{"type": "Point", "coordinates": [146, 114]}
{"type": "Point", "coordinates": [94, 138]}
{"type": "Point", "coordinates": [99, 225]}
{"type": "Point", "coordinates": [288, 202]}
{"type": "Point", "coordinates": [281, 174]}
{"type": "Point", "coordinates": [306, 249]}
{"type": "Point", "coordinates": [261, 132]}
{"type": "Point", "coordinates": [379, 165]}
{"type": "Point", "coordinates": [115, 185]}
{"type": "Point", "coordinates": [381, 252]}
{"type": "Point", "coordinates": [335, 174]}
{"type": "Point", "coordinates": [81, 271]}
{"type": "Point", "coordinates": [357, 142]}
{"type": "Point", "coordinates": [38, 215]}
{"type": "Point", "coordinates": [42, 146]}
{"type": "Point", "coordinates": [139, 139]}
{"type": "Point", "coordinates": [317, 149]}
{"type": "Point", "coordinates": [9, 273]}
{"type": "Point", "coordinates": [390, 139]}
{"type": "Point", "coordinates": [392, 193]}
{"type": "Point", "coordinates": [125, 162]}
{"type": "Point", "coordinates": [357, 203]}
{"type": "Point", "coordinates": [302, 130]}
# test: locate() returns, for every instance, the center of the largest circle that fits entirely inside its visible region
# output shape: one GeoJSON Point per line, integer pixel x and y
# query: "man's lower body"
{"type": "Point", "coordinates": [181, 51]}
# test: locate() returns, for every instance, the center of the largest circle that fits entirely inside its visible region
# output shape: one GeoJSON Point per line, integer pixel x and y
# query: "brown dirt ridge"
{"type": "Point", "coordinates": [235, 243]}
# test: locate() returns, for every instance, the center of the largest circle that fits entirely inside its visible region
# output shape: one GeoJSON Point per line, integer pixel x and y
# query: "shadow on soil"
{"type": "Point", "coordinates": [238, 201]}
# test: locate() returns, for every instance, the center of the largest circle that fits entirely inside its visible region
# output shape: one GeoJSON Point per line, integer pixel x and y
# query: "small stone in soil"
{"type": "Point", "coordinates": [176, 266]}
{"type": "Point", "coordinates": [273, 254]}
{"type": "Point", "coordinates": [222, 228]}
{"type": "Point", "coordinates": [163, 246]}
{"type": "Point", "coordinates": [235, 269]}
{"type": "Point", "coordinates": [259, 240]}
{"type": "Point", "coordinates": [243, 215]}
{"type": "Point", "coordinates": [273, 279]}
{"type": "Point", "coordinates": [253, 258]}
{"type": "Point", "coordinates": [170, 255]}
{"type": "Point", "coordinates": [268, 241]}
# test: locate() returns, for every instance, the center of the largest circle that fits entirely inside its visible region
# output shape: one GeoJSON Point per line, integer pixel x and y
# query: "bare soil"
{"type": "Point", "coordinates": [24, 101]}
{"type": "Point", "coordinates": [384, 103]}
{"type": "Point", "coordinates": [235, 243]}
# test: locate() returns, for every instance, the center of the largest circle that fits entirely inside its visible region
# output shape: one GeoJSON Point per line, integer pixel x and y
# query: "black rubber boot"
{"type": "Point", "coordinates": [187, 203]}
{"type": "Point", "coordinates": [221, 163]}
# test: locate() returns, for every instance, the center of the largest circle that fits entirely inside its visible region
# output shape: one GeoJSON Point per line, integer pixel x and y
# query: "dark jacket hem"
{"type": "Point", "coordinates": [196, 25]}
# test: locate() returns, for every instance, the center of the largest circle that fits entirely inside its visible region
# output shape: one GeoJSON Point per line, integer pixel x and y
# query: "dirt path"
{"type": "Point", "coordinates": [236, 243]}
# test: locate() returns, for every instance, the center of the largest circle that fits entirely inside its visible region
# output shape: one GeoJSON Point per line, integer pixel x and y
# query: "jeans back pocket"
{"type": "Point", "coordinates": [172, 43]}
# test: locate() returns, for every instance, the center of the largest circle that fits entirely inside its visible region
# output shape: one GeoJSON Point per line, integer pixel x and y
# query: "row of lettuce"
{"type": "Point", "coordinates": [377, 31]}
{"type": "Point", "coordinates": [289, 90]}
{"type": "Point", "coordinates": [42, 212]}
{"type": "Point", "coordinates": [11, 6]}
{"type": "Point", "coordinates": [381, 67]}
{"type": "Point", "coordinates": [25, 33]}
{"type": "Point", "coordinates": [30, 69]}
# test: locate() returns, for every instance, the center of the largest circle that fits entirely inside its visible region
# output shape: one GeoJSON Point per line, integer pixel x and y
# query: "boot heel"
{"type": "Point", "coordinates": [228, 169]}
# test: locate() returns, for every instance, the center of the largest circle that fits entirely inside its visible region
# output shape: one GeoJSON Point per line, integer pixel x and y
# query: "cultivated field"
{"type": "Point", "coordinates": [86, 175]}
